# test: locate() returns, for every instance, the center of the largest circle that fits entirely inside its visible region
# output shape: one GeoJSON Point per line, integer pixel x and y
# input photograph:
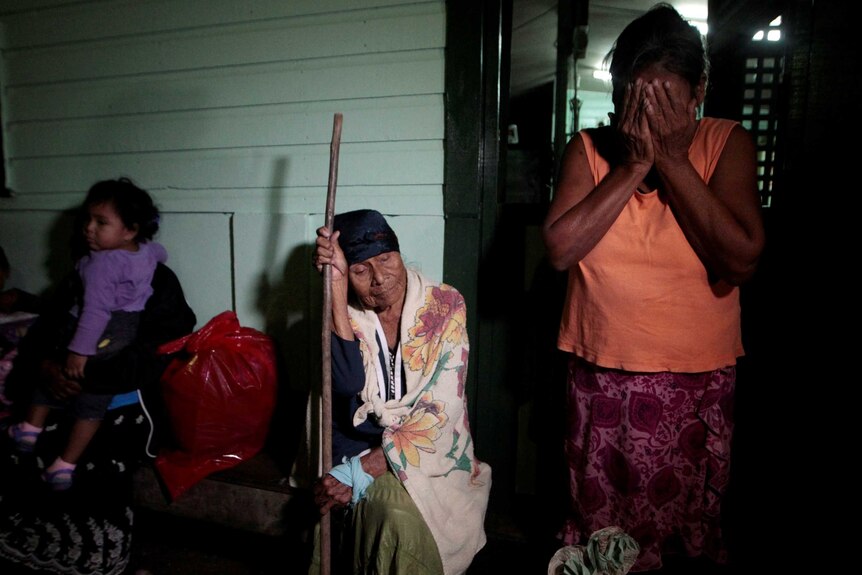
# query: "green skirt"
{"type": "Point", "coordinates": [383, 534]}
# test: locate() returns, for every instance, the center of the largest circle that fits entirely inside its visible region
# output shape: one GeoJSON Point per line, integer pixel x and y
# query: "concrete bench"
{"type": "Point", "coordinates": [253, 496]}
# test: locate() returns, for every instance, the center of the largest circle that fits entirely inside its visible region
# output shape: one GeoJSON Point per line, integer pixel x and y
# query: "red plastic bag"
{"type": "Point", "coordinates": [220, 395]}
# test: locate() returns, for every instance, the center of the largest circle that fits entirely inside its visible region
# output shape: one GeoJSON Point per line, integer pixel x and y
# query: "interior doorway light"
{"type": "Point", "coordinates": [771, 34]}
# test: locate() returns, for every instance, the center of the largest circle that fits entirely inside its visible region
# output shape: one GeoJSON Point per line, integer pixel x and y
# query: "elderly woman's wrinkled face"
{"type": "Point", "coordinates": [379, 281]}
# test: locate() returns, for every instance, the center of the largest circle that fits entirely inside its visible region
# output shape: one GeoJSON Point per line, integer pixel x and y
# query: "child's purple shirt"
{"type": "Point", "coordinates": [114, 280]}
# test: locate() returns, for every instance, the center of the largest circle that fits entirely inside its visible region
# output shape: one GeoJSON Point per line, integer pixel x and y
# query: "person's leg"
{"type": "Point", "coordinates": [83, 431]}
{"type": "Point", "coordinates": [385, 533]}
{"type": "Point", "coordinates": [649, 453]}
{"type": "Point", "coordinates": [390, 535]}
{"type": "Point", "coordinates": [37, 414]}
{"type": "Point", "coordinates": [26, 433]}
{"type": "Point", "coordinates": [88, 410]}
{"type": "Point", "coordinates": [59, 475]}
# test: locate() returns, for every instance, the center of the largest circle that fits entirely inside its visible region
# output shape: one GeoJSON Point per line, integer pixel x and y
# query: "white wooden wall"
{"type": "Point", "coordinates": [223, 111]}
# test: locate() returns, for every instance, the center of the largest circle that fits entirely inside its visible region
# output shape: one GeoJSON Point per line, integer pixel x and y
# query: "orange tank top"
{"type": "Point", "coordinates": [641, 300]}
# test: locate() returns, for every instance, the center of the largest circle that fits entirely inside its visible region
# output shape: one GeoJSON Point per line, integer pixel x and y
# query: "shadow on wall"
{"type": "Point", "coordinates": [284, 304]}
{"type": "Point", "coordinates": [64, 245]}
{"type": "Point", "coordinates": [283, 300]}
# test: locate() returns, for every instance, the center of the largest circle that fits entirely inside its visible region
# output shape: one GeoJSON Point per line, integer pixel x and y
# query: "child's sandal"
{"type": "Point", "coordinates": [25, 441]}
{"type": "Point", "coordinates": [59, 480]}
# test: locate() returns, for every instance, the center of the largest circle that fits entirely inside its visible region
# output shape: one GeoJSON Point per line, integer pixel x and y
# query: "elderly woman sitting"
{"type": "Point", "coordinates": [412, 492]}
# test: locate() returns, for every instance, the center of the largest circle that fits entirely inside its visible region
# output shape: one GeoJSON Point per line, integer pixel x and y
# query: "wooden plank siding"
{"type": "Point", "coordinates": [226, 107]}
{"type": "Point", "coordinates": [223, 111]}
{"type": "Point", "coordinates": [211, 107]}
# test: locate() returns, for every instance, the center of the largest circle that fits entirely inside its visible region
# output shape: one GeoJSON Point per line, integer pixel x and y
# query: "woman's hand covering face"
{"type": "Point", "coordinates": [633, 127]}
{"type": "Point", "coordinates": [658, 117]}
{"type": "Point", "coordinates": [671, 113]}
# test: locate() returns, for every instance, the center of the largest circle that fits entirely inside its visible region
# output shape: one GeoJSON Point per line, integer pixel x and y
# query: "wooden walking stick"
{"type": "Point", "coordinates": [326, 341]}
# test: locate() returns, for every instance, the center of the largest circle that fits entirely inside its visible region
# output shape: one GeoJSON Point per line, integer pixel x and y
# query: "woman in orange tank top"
{"type": "Point", "coordinates": [656, 219]}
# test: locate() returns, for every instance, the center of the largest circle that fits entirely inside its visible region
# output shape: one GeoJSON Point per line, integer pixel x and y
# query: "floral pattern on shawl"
{"type": "Point", "coordinates": [419, 431]}
{"type": "Point", "coordinates": [440, 328]}
{"type": "Point", "coordinates": [441, 320]}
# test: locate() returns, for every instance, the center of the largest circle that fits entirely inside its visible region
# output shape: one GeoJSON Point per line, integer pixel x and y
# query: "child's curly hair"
{"type": "Point", "coordinates": [134, 205]}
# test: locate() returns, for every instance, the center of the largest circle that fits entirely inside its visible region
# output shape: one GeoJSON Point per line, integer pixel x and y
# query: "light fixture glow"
{"type": "Point", "coordinates": [696, 13]}
{"type": "Point", "coordinates": [692, 10]}
{"type": "Point", "coordinates": [602, 75]}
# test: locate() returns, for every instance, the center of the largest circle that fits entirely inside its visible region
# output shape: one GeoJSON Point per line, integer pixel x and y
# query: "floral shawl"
{"type": "Point", "coordinates": [427, 438]}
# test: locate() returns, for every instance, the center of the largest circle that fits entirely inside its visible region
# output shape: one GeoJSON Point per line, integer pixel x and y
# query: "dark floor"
{"type": "Point", "coordinates": [164, 544]}
{"type": "Point", "coordinates": [521, 540]}
{"type": "Point", "coordinates": [169, 545]}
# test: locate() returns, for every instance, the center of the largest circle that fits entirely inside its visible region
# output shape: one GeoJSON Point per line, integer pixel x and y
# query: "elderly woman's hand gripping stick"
{"type": "Point", "coordinates": [329, 252]}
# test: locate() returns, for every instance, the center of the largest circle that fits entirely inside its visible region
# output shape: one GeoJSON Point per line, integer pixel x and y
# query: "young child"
{"type": "Point", "coordinates": [119, 222]}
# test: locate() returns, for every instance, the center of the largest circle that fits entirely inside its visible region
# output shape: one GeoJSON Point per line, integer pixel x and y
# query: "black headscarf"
{"type": "Point", "coordinates": [364, 234]}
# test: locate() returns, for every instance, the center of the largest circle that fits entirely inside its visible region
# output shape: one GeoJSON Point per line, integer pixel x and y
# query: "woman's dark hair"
{"type": "Point", "coordinates": [134, 205]}
{"type": "Point", "coordinates": [660, 36]}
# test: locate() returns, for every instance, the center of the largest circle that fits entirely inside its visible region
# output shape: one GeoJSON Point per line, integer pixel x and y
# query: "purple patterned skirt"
{"type": "Point", "coordinates": [649, 453]}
